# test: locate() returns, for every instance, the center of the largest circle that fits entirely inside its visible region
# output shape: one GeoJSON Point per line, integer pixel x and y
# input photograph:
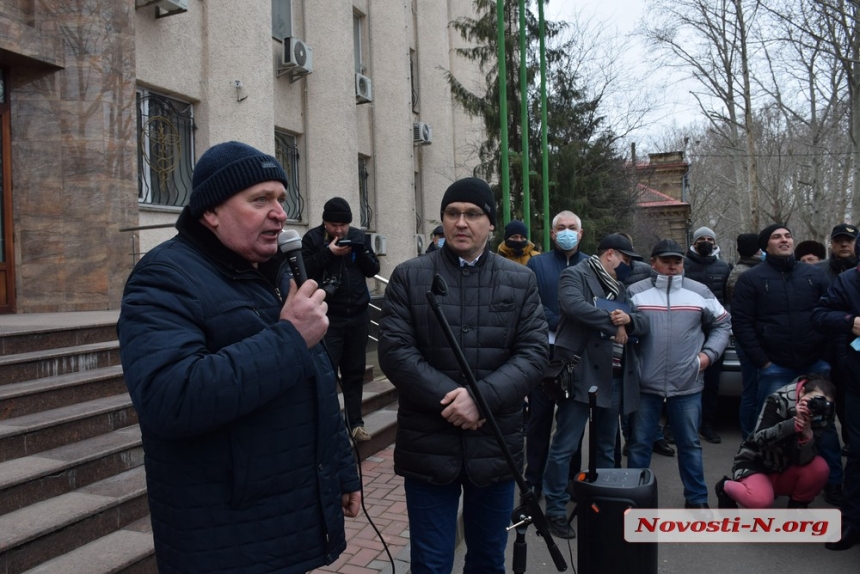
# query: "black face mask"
{"type": "Point", "coordinates": [704, 248]}
{"type": "Point", "coordinates": [516, 245]}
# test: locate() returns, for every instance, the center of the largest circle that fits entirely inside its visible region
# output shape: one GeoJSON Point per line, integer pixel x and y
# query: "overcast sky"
{"type": "Point", "coordinates": [680, 108]}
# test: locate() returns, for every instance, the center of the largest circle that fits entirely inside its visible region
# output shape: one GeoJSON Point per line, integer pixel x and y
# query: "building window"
{"type": "Point", "coordinates": [165, 149]}
{"type": "Point", "coordinates": [413, 73]}
{"type": "Point", "coordinates": [287, 152]}
{"type": "Point", "coordinates": [364, 194]}
{"type": "Point", "coordinates": [282, 19]}
{"type": "Point", "coordinates": [357, 23]}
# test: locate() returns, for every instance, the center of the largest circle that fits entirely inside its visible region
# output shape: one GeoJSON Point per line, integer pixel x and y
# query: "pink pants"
{"type": "Point", "coordinates": [802, 483]}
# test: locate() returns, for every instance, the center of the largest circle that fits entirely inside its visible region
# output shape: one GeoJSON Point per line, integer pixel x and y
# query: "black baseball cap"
{"type": "Point", "coordinates": [620, 243]}
{"type": "Point", "coordinates": [438, 230]}
{"type": "Point", "coordinates": [667, 248]}
{"type": "Point", "coordinates": [844, 229]}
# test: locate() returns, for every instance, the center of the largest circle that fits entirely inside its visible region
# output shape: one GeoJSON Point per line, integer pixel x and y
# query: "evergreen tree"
{"type": "Point", "coordinates": [587, 175]}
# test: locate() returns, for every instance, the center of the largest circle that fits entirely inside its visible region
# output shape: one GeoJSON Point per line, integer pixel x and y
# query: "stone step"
{"type": "Point", "coordinates": [32, 365]}
{"type": "Point", "coordinates": [375, 395]}
{"type": "Point", "coordinates": [382, 426]}
{"type": "Point", "coordinates": [28, 397]}
{"type": "Point", "coordinates": [42, 531]}
{"type": "Point", "coordinates": [30, 434]}
{"type": "Point", "coordinates": [126, 551]}
{"type": "Point", "coordinates": [31, 479]}
{"type": "Point", "coordinates": [40, 331]}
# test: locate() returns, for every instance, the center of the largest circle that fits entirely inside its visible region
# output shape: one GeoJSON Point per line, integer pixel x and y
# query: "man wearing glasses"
{"type": "Point", "coordinates": [443, 447]}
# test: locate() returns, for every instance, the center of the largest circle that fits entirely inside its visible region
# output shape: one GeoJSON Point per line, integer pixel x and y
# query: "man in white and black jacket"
{"type": "Point", "coordinates": [443, 447]}
{"type": "Point", "coordinates": [689, 330]}
{"type": "Point", "coordinates": [339, 259]}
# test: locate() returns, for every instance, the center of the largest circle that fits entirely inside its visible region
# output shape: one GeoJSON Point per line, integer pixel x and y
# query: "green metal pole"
{"type": "Point", "coordinates": [524, 119]}
{"type": "Point", "coordinates": [547, 218]}
{"type": "Point", "coordinates": [503, 111]}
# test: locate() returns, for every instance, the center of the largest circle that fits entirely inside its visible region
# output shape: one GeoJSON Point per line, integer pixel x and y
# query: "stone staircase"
{"type": "Point", "coordinates": [72, 481]}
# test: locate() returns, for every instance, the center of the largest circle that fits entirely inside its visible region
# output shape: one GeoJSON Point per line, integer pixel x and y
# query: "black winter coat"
{"type": "Point", "coordinates": [710, 271]}
{"type": "Point", "coordinates": [772, 308]}
{"type": "Point", "coordinates": [348, 272]}
{"type": "Point", "coordinates": [834, 315]}
{"type": "Point", "coordinates": [495, 312]}
{"type": "Point", "coordinates": [245, 449]}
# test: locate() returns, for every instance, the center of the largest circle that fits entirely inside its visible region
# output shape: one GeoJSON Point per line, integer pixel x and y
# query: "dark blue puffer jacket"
{"type": "Point", "coordinates": [772, 307]}
{"type": "Point", "coordinates": [834, 316]}
{"type": "Point", "coordinates": [246, 453]}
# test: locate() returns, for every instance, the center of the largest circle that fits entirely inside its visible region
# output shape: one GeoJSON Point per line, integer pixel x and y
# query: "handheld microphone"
{"type": "Point", "coordinates": [290, 244]}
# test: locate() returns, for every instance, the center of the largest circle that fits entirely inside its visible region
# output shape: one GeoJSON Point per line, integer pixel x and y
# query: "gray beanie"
{"type": "Point", "coordinates": [228, 168]}
{"type": "Point", "coordinates": [704, 232]}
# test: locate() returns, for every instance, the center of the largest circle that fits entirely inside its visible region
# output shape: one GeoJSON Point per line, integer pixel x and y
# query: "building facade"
{"type": "Point", "coordinates": [106, 104]}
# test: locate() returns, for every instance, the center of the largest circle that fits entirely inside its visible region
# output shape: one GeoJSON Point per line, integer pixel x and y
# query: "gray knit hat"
{"type": "Point", "coordinates": [704, 232]}
{"type": "Point", "coordinates": [228, 168]}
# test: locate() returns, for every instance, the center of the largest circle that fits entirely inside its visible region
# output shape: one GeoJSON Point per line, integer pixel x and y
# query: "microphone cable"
{"type": "Point", "coordinates": [360, 474]}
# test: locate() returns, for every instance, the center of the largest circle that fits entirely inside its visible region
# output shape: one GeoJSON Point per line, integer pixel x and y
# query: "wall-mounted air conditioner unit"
{"type": "Point", "coordinates": [419, 243]}
{"type": "Point", "coordinates": [422, 134]}
{"type": "Point", "coordinates": [363, 89]}
{"type": "Point", "coordinates": [164, 7]}
{"type": "Point", "coordinates": [297, 59]}
{"type": "Point", "coordinates": [377, 241]}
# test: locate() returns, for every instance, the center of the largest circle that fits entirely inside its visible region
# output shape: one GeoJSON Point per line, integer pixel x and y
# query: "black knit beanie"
{"type": "Point", "coordinates": [747, 244]}
{"type": "Point", "coordinates": [336, 210]}
{"type": "Point", "coordinates": [228, 168]}
{"type": "Point", "coordinates": [516, 227]}
{"type": "Point", "coordinates": [765, 234]}
{"type": "Point", "coordinates": [471, 190]}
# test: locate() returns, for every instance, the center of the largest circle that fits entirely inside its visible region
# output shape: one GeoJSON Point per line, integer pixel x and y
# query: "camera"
{"type": "Point", "coordinates": [819, 407]}
{"type": "Point", "coordinates": [347, 243]}
{"type": "Point", "coordinates": [330, 284]}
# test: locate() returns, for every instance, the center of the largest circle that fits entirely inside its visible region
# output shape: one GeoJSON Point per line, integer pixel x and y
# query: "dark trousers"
{"type": "Point", "coordinates": [346, 341]}
{"type": "Point", "coordinates": [711, 392]}
{"type": "Point", "coordinates": [851, 492]}
{"type": "Point", "coordinates": [538, 434]}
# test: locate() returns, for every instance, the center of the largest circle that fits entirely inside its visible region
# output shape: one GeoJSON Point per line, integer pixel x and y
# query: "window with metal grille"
{"type": "Point", "coordinates": [165, 149]}
{"type": "Point", "coordinates": [364, 199]}
{"type": "Point", "coordinates": [287, 153]}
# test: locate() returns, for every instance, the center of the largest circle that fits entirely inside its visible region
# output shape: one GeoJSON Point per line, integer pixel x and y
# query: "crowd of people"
{"type": "Point", "coordinates": [232, 366]}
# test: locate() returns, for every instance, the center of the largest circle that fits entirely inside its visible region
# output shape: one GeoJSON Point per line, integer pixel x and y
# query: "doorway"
{"type": "Point", "coordinates": [7, 259]}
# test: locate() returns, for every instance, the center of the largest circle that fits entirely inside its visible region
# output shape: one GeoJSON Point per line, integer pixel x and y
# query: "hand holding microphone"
{"type": "Point", "coordinates": [290, 244]}
{"type": "Point", "coordinates": [305, 306]}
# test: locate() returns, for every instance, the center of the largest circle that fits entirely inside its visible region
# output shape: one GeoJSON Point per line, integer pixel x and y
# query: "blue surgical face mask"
{"type": "Point", "coordinates": [763, 255]}
{"type": "Point", "coordinates": [440, 242]}
{"type": "Point", "coordinates": [567, 239]}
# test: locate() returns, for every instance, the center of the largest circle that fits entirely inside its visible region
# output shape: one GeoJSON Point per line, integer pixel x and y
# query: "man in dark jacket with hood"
{"type": "Point", "coordinates": [842, 253]}
{"type": "Point", "coordinates": [772, 321]}
{"type": "Point", "coordinates": [248, 465]}
{"type": "Point", "coordinates": [443, 447]}
{"type": "Point", "coordinates": [838, 315]}
{"type": "Point", "coordinates": [749, 256]}
{"type": "Point", "coordinates": [702, 264]}
{"type": "Point", "coordinates": [338, 257]}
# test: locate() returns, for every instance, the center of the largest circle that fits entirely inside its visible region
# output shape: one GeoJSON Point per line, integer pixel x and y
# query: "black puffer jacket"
{"type": "Point", "coordinates": [772, 308]}
{"type": "Point", "coordinates": [710, 271]}
{"type": "Point", "coordinates": [834, 315]}
{"type": "Point", "coordinates": [496, 314]}
{"type": "Point", "coordinates": [347, 272]}
{"type": "Point", "coordinates": [246, 452]}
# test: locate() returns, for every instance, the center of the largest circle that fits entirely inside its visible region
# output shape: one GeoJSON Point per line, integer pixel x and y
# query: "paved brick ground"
{"type": "Point", "coordinates": [385, 502]}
